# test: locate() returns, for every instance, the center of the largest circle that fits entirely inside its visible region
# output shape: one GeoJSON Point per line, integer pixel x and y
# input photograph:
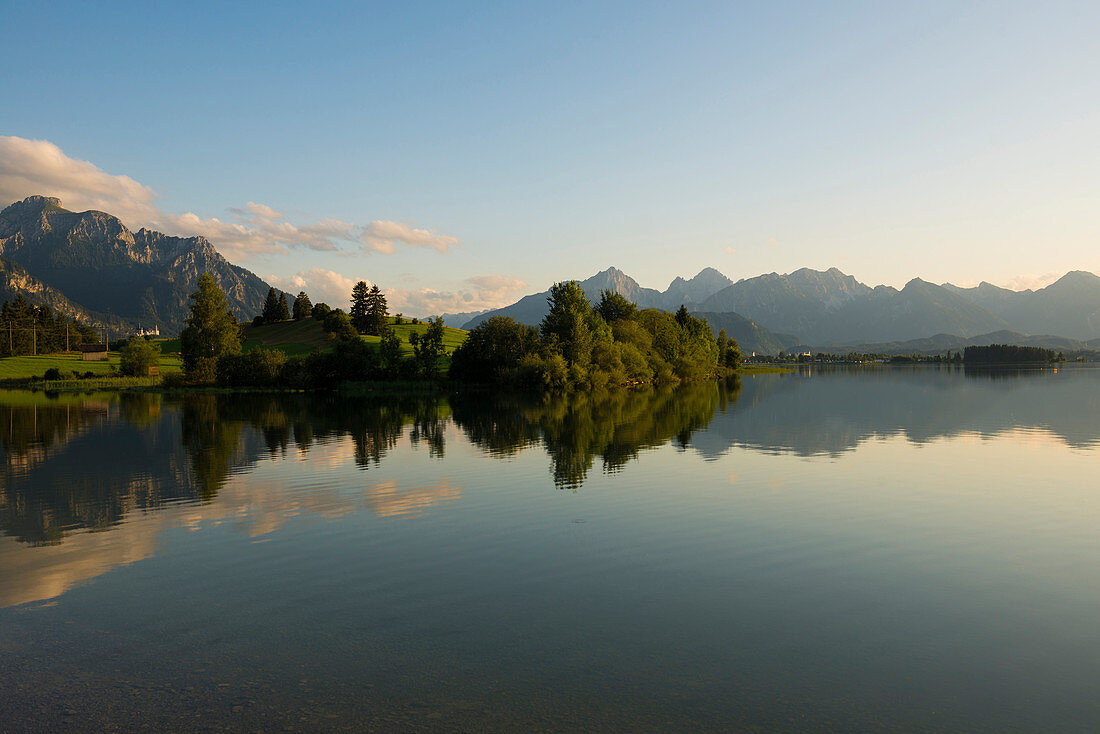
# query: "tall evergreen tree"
{"type": "Point", "coordinates": [303, 307]}
{"type": "Point", "coordinates": [282, 312]}
{"type": "Point", "coordinates": [271, 307]}
{"type": "Point", "coordinates": [360, 307]}
{"type": "Point", "coordinates": [377, 311]}
{"type": "Point", "coordinates": [212, 332]}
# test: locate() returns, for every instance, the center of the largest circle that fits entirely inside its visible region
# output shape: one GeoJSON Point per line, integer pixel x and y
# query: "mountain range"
{"type": "Point", "coordinates": [88, 265]}
{"type": "Point", "coordinates": [829, 308]}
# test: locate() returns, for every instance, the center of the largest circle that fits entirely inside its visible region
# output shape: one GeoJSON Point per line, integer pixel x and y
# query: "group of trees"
{"type": "Point", "coordinates": [581, 345]}
{"type": "Point", "coordinates": [1009, 354]}
{"type": "Point", "coordinates": [28, 329]}
{"type": "Point", "coordinates": [576, 345]}
{"type": "Point", "coordinates": [276, 308]}
{"type": "Point", "coordinates": [210, 345]}
{"type": "Point", "coordinates": [369, 312]}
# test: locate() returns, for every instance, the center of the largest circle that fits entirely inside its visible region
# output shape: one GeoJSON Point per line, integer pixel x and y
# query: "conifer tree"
{"type": "Point", "coordinates": [360, 307]}
{"type": "Point", "coordinates": [271, 307]}
{"type": "Point", "coordinates": [303, 307]}
{"type": "Point", "coordinates": [377, 311]}
{"type": "Point", "coordinates": [211, 333]}
{"type": "Point", "coordinates": [282, 312]}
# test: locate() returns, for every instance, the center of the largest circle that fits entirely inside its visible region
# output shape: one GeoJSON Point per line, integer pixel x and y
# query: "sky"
{"type": "Point", "coordinates": [461, 155]}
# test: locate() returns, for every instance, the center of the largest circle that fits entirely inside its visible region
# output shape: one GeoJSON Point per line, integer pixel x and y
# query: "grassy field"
{"type": "Point", "coordinates": [24, 367]}
{"type": "Point", "coordinates": [291, 337]}
{"type": "Point", "coordinates": [303, 337]}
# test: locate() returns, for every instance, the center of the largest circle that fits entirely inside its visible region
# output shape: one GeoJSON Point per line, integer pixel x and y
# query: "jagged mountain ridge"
{"type": "Point", "coordinates": [1070, 305]}
{"type": "Point", "coordinates": [832, 308]}
{"type": "Point", "coordinates": [531, 309]}
{"type": "Point", "coordinates": [102, 267]}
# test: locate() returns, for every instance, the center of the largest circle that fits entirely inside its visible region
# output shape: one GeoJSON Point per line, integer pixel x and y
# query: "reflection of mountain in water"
{"type": "Point", "coordinates": [831, 411]}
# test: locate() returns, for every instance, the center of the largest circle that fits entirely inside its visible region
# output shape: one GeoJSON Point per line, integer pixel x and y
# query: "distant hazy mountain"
{"type": "Point", "coordinates": [750, 336]}
{"type": "Point", "coordinates": [101, 266]}
{"type": "Point", "coordinates": [828, 307]}
{"type": "Point", "coordinates": [692, 292]}
{"type": "Point", "coordinates": [1070, 306]}
{"type": "Point", "coordinates": [531, 309]}
{"type": "Point", "coordinates": [833, 308]}
{"type": "Point", "coordinates": [459, 320]}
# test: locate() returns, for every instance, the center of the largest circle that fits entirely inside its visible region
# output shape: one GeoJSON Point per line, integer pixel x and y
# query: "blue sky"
{"type": "Point", "coordinates": [451, 152]}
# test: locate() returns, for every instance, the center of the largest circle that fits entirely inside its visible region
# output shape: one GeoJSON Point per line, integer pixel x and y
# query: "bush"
{"type": "Point", "coordinates": [52, 374]}
{"type": "Point", "coordinates": [320, 311]}
{"type": "Point", "coordinates": [137, 357]}
{"type": "Point", "coordinates": [258, 368]}
{"type": "Point", "coordinates": [258, 321]}
{"type": "Point", "coordinates": [339, 325]}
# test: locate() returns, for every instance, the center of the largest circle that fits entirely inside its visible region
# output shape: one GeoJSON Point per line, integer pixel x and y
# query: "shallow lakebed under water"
{"type": "Point", "coordinates": [895, 549]}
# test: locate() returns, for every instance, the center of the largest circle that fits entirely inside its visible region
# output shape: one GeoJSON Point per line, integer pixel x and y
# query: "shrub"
{"type": "Point", "coordinates": [258, 368]}
{"type": "Point", "coordinates": [137, 357]}
{"type": "Point", "coordinates": [339, 325]}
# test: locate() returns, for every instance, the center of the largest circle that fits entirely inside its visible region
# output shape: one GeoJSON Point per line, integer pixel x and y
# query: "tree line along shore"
{"type": "Point", "coordinates": [302, 345]}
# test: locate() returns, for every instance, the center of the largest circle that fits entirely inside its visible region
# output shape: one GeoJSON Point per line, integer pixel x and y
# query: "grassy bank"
{"type": "Point", "coordinates": [27, 367]}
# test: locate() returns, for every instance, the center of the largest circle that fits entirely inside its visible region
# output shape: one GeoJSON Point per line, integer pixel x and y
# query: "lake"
{"type": "Point", "coordinates": [880, 549]}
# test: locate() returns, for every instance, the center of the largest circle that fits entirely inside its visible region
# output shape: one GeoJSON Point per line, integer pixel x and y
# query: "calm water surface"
{"type": "Point", "coordinates": [875, 550]}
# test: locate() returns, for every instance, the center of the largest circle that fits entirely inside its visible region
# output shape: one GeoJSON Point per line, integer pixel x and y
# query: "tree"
{"type": "Point", "coordinates": [567, 328]}
{"type": "Point", "coordinates": [428, 347]}
{"type": "Point", "coordinates": [320, 311]}
{"type": "Point", "coordinates": [493, 350]}
{"type": "Point", "coordinates": [137, 357]}
{"type": "Point", "coordinates": [390, 351]}
{"type": "Point", "coordinates": [282, 312]}
{"type": "Point", "coordinates": [377, 311]}
{"type": "Point", "coordinates": [722, 346]}
{"type": "Point", "coordinates": [339, 325]}
{"type": "Point", "coordinates": [302, 306]}
{"type": "Point", "coordinates": [360, 307]}
{"type": "Point", "coordinates": [614, 306]}
{"type": "Point", "coordinates": [212, 332]}
{"type": "Point", "coordinates": [271, 306]}
{"type": "Point", "coordinates": [682, 315]}
{"type": "Point", "coordinates": [732, 356]}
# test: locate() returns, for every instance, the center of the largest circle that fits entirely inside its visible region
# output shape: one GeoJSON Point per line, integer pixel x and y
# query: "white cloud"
{"type": "Point", "coordinates": [730, 250]}
{"type": "Point", "coordinates": [484, 292]}
{"type": "Point", "coordinates": [39, 167]}
{"type": "Point", "coordinates": [1032, 282]}
{"type": "Point", "coordinates": [381, 236]}
{"type": "Point", "coordinates": [495, 287]}
{"type": "Point", "coordinates": [321, 285]}
{"type": "Point", "coordinates": [261, 210]}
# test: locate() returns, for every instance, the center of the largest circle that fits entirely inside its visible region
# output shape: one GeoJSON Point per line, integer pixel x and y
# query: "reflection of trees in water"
{"type": "Point", "coordinates": [576, 428]}
{"type": "Point", "coordinates": [88, 462]}
{"type": "Point", "coordinates": [42, 499]}
{"type": "Point", "coordinates": [374, 426]}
